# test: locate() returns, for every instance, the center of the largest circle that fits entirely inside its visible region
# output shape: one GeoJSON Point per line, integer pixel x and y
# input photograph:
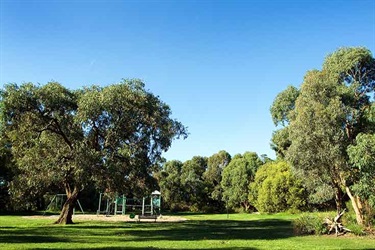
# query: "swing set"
{"type": "Point", "coordinates": [120, 204]}
{"type": "Point", "coordinates": [57, 203]}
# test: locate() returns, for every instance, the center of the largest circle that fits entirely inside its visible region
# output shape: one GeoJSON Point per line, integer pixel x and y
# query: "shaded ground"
{"type": "Point", "coordinates": [125, 218]}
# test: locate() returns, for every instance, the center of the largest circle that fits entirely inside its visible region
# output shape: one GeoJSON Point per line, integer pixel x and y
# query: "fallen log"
{"type": "Point", "coordinates": [336, 225]}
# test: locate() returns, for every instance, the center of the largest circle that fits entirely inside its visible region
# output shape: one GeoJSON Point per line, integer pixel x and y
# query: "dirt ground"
{"type": "Point", "coordinates": [125, 218]}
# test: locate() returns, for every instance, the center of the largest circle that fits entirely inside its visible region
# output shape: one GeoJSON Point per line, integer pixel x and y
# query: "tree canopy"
{"type": "Point", "coordinates": [237, 177]}
{"type": "Point", "coordinates": [333, 106]}
{"type": "Point", "coordinates": [107, 136]}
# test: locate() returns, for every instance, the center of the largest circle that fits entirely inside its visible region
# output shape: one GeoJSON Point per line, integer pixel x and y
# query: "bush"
{"type": "Point", "coordinates": [276, 189]}
{"type": "Point", "coordinates": [309, 224]}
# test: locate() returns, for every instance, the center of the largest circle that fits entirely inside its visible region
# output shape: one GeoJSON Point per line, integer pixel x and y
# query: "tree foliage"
{"type": "Point", "coordinates": [192, 181]}
{"type": "Point", "coordinates": [213, 176]}
{"type": "Point", "coordinates": [236, 179]}
{"type": "Point", "coordinates": [362, 156]}
{"type": "Point", "coordinates": [276, 189]}
{"type": "Point", "coordinates": [110, 137]}
{"type": "Point", "coordinates": [170, 185]}
{"type": "Point", "coordinates": [281, 112]}
{"type": "Point", "coordinates": [333, 106]}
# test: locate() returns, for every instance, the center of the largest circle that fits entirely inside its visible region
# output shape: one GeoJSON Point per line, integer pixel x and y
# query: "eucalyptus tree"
{"type": "Point", "coordinates": [108, 136]}
{"type": "Point", "coordinates": [170, 185]}
{"type": "Point", "coordinates": [330, 111]}
{"type": "Point", "coordinates": [362, 158]}
{"type": "Point", "coordinates": [236, 178]}
{"type": "Point", "coordinates": [193, 182]}
{"type": "Point", "coordinates": [281, 111]}
{"type": "Point", "coordinates": [213, 176]}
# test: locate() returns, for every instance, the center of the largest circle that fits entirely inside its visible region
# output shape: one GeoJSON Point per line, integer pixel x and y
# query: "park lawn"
{"type": "Point", "coordinates": [239, 231]}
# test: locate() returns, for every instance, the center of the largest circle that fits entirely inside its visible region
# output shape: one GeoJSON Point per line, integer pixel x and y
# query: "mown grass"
{"type": "Point", "coordinates": [239, 231]}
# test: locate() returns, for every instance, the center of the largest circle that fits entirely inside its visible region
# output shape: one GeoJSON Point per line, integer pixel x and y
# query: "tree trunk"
{"type": "Point", "coordinates": [67, 210]}
{"type": "Point", "coordinates": [357, 206]}
{"type": "Point", "coordinates": [338, 199]}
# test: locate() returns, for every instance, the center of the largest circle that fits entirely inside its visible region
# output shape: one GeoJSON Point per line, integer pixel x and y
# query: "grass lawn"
{"type": "Point", "coordinates": [240, 231]}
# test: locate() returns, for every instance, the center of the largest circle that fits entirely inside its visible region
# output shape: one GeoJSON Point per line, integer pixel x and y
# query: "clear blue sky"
{"type": "Point", "coordinates": [218, 64]}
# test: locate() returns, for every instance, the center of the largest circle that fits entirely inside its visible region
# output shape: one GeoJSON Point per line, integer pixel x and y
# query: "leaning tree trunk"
{"type": "Point", "coordinates": [67, 210]}
{"type": "Point", "coordinates": [357, 206]}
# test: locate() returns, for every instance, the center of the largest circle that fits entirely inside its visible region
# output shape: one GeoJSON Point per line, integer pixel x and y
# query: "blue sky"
{"type": "Point", "coordinates": [218, 64]}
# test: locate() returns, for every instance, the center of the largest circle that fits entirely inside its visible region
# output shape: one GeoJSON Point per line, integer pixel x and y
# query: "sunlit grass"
{"type": "Point", "coordinates": [239, 231]}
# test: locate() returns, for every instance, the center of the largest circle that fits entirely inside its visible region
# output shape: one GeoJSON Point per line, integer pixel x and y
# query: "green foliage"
{"type": "Point", "coordinates": [193, 183]}
{"type": "Point", "coordinates": [333, 106]}
{"type": "Point", "coordinates": [283, 104]}
{"type": "Point", "coordinates": [213, 176]}
{"type": "Point", "coordinates": [309, 224]}
{"type": "Point", "coordinates": [362, 156]}
{"type": "Point", "coordinates": [110, 137]}
{"type": "Point", "coordinates": [276, 189]}
{"type": "Point", "coordinates": [170, 185]}
{"type": "Point", "coordinates": [280, 141]}
{"type": "Point", "coordinates": [236, 179]}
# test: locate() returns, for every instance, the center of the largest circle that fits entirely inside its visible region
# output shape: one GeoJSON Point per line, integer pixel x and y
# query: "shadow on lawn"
{"type": "Point", "coordinates": [190, 230]}
{"type": "Point", "coordinates": [219, 230]}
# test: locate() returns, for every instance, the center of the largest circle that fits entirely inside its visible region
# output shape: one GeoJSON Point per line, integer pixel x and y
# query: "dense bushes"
{"type": "Point", "coordinates": [276, 189]}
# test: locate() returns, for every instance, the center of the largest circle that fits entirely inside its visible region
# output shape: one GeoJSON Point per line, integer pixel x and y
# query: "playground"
{"type": "Point", "coordinates": [113, 218]}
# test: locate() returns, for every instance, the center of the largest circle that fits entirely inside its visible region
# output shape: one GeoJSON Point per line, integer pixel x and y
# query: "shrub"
{"type": "Point", "coordinates": [276, 189]}
{"type": "Point", "coordinates": [309, 224]}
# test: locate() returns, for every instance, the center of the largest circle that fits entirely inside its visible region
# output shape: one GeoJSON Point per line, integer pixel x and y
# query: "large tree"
{"type": "Point", "coordinates": [330, 111]}
{"type": "Point", "coordinates": [108, 136]}
{"type": "Point", "coordinates": [362, 156]}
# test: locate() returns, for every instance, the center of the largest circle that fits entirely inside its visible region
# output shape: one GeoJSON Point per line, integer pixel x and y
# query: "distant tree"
{"type": "Point", "coordinates": [212, 178]}
{"type": "Point", "coordinates": [170, 185]}
{"type": "Point", "coordinates": [193, 183]}
{"type": "Point", "coordinates": [237, 177]}
{"type": "Point", "coordinates": [276, 189]}
{"type": "Point", "coordinates": [111, 137]}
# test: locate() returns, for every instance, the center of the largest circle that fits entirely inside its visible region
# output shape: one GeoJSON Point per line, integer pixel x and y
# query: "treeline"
{"type": "Point", "coordinates": [244, 182]}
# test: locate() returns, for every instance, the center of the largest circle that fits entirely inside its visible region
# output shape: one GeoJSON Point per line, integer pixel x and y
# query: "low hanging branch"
{"type": "Point", "coordinates": [336, 225]}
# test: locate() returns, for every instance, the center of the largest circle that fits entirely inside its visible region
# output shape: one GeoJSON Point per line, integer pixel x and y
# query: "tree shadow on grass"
{"type": "Point", "coordinates": [220, 229]}
{"type": "Point", "coordinates": [190, 230]}
{"type": "Point", "coordinates": [32, 239]}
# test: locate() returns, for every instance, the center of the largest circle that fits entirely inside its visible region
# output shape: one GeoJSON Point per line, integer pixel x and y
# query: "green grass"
{"type": "Point", "coordinates": [240, 231]}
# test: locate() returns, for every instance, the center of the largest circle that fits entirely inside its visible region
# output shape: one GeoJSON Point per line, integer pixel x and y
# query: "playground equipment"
{"type": "Point", "coordinates": [120, 204]}
{"type": "Point", "coordinates": [57, 203]}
